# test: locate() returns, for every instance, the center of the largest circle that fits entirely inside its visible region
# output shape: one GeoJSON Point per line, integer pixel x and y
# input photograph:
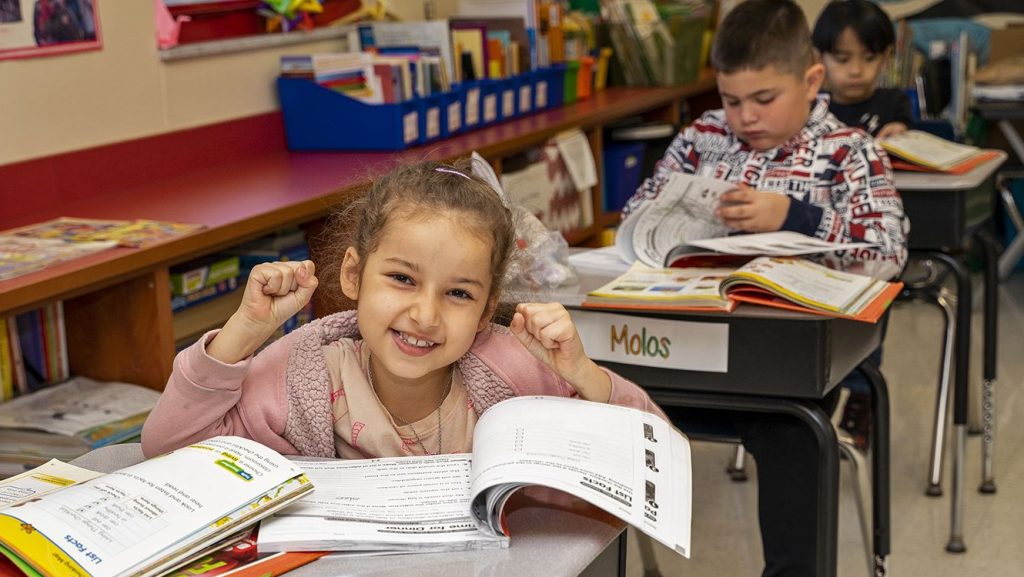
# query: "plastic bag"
{"type": "Point", "coordinates": [540, 259]}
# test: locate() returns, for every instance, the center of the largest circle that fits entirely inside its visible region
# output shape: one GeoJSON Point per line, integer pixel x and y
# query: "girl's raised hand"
{"type": "Point", "coordinates": [547, 331]}
{"type": "Point", "coordinates": [273, 294]}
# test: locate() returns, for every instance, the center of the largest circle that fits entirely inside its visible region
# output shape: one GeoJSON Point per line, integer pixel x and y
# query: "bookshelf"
{"type": "Point", "coordinates": [238, 179]}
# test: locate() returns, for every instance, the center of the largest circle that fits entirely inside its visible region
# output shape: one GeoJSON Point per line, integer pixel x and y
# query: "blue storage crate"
{"type": "Point", "coordinates": [452, 117]}
{"type": "Point", "coordinates": [623, 169]}
{"type": "Point", "coordinates": [541, 80]}
{"type": "Point", "coordinates": [318, 118]}
{"type": "Point", "coordinates": [490, 107]}
{"type": "Point", "coordinates": [556, 85]}
{"type": "Point", "coordinates": [472, 104]}
{"type": "Point", "coordinates": [430, 118]}
{"type": "Point", "coordinates": [507, 98]}
{"type": "Point", "coordinates": [524, 91]}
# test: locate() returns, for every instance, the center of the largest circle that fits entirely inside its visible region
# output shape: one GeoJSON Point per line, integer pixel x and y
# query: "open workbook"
{"type": "Point", "coordinates": [630, 463]}
{"type": "Point", "coordinates": [783, 282]}
{"type": "Point", "coordinates": [146, 519]}
{"type": "Point", "coordinates": [917, 150]}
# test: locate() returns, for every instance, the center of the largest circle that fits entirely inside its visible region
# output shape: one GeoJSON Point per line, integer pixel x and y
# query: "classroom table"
{"type": "Point", "coordinates": [1003, 114]}
{"type": "Point", "coordinates": [946, 211]}
{"type": "Point", "coordinates": [552, 535]}
{"type": "Point", "coordinates": [761, 374]}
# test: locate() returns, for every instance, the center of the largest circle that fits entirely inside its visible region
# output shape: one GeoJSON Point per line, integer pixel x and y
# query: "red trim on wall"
{"type": "Point", "coordinates": [38, 185]}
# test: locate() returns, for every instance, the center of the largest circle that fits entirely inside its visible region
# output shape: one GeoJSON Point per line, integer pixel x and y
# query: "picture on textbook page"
{"type": "Point", "coordinates": [917, 150]}
{"type": "Point", "coordinates": [632, 464]}
{"type": "Point", "coordinates": [147, 519]}
{"type": "Point", "coordinates": [782, 282]}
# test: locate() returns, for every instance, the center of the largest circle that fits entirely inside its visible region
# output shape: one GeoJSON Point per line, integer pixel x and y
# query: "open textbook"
{"type": "Point", "coordinates": [783, 282]}
{"type": "Point", "coordinates": [146, 519]}
{"type": "Point", "coordinates": [683, 211]}
{"type": "Point", "coordinates": [682, 219]}
{"type": "Point", "coordinates": [630, 463]}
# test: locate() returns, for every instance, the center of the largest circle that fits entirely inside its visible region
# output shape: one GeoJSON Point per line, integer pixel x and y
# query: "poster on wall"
{"type": "Point", "coordinates": [31, 28]}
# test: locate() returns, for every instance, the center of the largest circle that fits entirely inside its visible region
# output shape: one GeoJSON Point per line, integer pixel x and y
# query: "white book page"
{"type": "Point", "coordinates": [76, 405]}
{"type": "Point", "coordinates": [781, 243]}
{"type": "Point", "coordinates": [630, 463]}
{"type": "Point", "coordinates": [378, 503]}
{"type": "Point", "coordinates": [46, 478]}
{"type": "Point", "coordinates": [812, 283]}
{"type": "Point", "coordinates": [119, 521]}
{"type": "Point", "coordinates": [683, 211]}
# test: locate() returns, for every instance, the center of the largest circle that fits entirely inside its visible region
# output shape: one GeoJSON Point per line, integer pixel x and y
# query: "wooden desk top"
{"type": "Point", "coordinates": [251, 196]}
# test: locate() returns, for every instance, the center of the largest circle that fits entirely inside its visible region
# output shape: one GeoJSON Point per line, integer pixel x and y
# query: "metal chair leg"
{"type": "Point", "coordinates": [737, 469]}
{"type": "Point", "coordinates": [861, 492]}
{"type": "Point", "coordinates": [988, 383]}
{"type": "Point", "coordinates": [947, 303]}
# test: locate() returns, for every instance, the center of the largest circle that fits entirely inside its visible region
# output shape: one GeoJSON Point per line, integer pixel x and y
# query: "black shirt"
{"type": "Point", "coordinates": [884, 106]}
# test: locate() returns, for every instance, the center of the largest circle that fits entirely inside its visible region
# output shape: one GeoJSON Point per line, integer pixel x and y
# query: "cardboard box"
{"type": "Point", "coordinates": [1006, 42]}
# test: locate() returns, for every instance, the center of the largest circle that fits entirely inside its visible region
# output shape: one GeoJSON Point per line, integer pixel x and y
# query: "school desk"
{"type": "Point", "coordinates": [946, 212]}
{"type": "Point", "coordinates": [552, 535]}
{"type": "Point", "coordinates": [775, 362]}
{"type": "Point", "coordinates": [1004, 114]}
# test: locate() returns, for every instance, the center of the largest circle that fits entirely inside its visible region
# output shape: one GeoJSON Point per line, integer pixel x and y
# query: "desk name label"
{"type": "Point", "coordinates": [642, 344]}
{"type": "Point", "coordinates": [664, 343]}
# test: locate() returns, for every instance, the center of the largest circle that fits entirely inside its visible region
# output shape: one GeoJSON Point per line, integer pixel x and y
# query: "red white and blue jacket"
{"type": "Point", "coordinates": [839, 180]}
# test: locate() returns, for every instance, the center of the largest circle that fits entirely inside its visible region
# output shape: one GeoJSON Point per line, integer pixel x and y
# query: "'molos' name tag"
{"type": "Point", "coordinates": [663, 343]}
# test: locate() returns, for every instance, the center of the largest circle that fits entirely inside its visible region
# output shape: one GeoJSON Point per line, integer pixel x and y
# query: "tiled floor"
{"type": "Point", "coordinates": [726, 541]}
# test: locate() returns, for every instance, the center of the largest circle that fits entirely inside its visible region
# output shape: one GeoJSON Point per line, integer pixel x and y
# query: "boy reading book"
{"type": "Point", "coordinates": [795, 168]}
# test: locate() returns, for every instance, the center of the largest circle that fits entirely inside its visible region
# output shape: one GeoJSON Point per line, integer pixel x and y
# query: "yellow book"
{"type": "Point", "coordinates": [147, 519]}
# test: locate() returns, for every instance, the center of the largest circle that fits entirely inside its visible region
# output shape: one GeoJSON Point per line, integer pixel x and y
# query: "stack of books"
{"type": "Point", "coordinates": [68, 420]}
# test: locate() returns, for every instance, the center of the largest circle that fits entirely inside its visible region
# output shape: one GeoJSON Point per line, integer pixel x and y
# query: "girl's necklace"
{"type": "Point", "coordinates": [444, 393]}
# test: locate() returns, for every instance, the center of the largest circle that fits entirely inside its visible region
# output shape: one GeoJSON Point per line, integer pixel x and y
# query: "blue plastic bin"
{"type": "Point", "coordinates": [542, 81]}
{"type": "Point", "coordinates": [452, 118]}
{"type": "Point", "coordinates": [623, 169]}
{"type": "Point", "coordinates": [524, 92]}
{"type": "Point", "coordinates": [430, 118]}
{"type": "Point", "coordinates": [318, 118]}
{"type": "Point", "coordinates": [508, 98]}
{"type": "Point", "coordinates": [490, 106]}
{"type": "Point", "coordinates": [556, 85]}
{"type": "Point", "coordinates": [472, 104]}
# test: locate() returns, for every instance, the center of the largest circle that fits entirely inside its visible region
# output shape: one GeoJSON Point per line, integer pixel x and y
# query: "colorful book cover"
{"type": "Point", "coordinates": [70, 229]}
{"type": "Point", "coordinates": [146, 232]}
{"type": "Point", "coordinates": [129, 233]}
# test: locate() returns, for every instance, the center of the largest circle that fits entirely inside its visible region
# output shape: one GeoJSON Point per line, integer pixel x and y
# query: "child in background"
{"type": "Point", "coordinates": [407, 372]}
{"type": "Point", "coordinates": [796, 168]}
{"type": "Point", "coordinates": [855, 39]}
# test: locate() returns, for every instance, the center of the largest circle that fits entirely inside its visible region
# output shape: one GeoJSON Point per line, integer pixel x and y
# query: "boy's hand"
{"type": "Point", "coordinates": [891, 129]}
{"type": "Point", "coordinates": [273, 294]}
{"type": "Point", "coordinates": [547, 331]}
{"type": "Point", "coordinates": [751, 210]}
